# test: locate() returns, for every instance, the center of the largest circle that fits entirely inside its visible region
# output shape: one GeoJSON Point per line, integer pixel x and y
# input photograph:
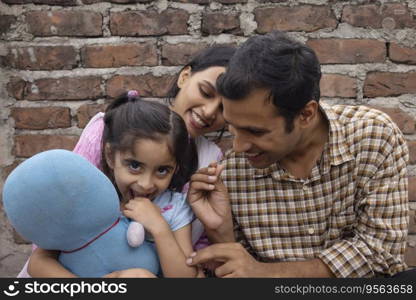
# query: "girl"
{"type": "Point", "coordinates": [148, 155]}
{"type": "Point", "coordinates": [194, 97]}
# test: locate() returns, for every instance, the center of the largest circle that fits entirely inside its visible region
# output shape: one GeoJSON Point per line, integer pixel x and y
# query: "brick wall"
{"type": "Point", "coordinates": [62, 59]}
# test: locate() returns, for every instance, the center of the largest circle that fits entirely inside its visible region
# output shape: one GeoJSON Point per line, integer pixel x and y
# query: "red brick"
{"type": "Point", "coordinates": [48, 2]}
{"type": "Point", "coordinates": [300, 18]}
{"type": "Point", "coordinates": [335, 85]}
{"type": "Point", "coordinates": [412, 151]}
{"type": "Point", "coordinates": [64, 88]}
{"type": "Point", "coordinates": [29, 145]}
{"type": "Point", "coordinates": [389, 16]}
{"type": "Point", "coordinates": [412, 188]}
{"type": "Point", "coordinates": [41, 117]}
{"type": "Point", "coordinates": [65, 23]}
{"type": "Point", "coordinates": [147, 85]}
{"type": "Point", "coordinates": [6, 22]}
{"type": "Point", "coordinates": [348, 51]}
{"type": "Point", "coordinates": [129, 1]}
{"type": "Point", "coordinates": [402, 54]}
{"type": "Point", "coordinates": [405, 121]}
{"type": "Point", "coordinates": [7, 170]}
{"type": "Point", "coordinates": [16, 87]}
{"type": "Point", "coordinates": [179, 54]}
{"type": "Point", "coordinates": [42, 57]}
{"type": "Point", "coordinates": [87, 111]}
{"type": "Point", "coordinates": [110, 56]}
{"type": "Point", "coordinates": [193, 1]}
{"type": "Point", "coordinates": [389, 84]}
{"type": "Point", "coordinates": [216, 23]}
{"type": "Point", "coordinates": [231, 1]}
{"type": "Point", "coordinates": [145, 23]}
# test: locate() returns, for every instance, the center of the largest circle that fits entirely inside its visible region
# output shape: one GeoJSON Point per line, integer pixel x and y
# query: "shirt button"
{"type": "Point", "coordinates": [311, 230]}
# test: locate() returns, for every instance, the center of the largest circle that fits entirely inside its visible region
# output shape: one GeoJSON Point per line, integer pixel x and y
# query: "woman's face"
{"type": "Point", "coordinates": [198, 102]}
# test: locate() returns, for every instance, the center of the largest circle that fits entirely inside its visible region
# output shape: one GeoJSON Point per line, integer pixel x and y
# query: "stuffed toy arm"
{"type": "Point", "coordinates": [135, 234]}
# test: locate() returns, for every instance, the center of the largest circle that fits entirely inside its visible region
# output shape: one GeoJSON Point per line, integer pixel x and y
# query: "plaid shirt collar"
{"type": "Point", "coordinates": [336, 151]}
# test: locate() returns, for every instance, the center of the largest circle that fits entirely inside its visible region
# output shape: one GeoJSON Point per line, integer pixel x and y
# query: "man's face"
{"type": "Point", "coordinates": [259, 132]}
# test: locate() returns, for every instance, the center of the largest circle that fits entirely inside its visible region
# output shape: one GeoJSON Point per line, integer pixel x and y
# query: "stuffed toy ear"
{"type": "Point", "coordinates": [58, 200]}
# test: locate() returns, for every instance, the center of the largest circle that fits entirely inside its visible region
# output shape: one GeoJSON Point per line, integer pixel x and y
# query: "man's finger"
{"type": "Point", "coordinates": [201, 186]}
{"type": "Point", "coordinates": [224, 270]}
{"type": "Point", "coordinates": [217, 252]}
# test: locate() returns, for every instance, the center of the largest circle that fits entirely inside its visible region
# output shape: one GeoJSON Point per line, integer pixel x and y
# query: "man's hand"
{"type": "Point", "coordinates": [208, 197]}
{"type": "Point", "coordinates": [131, 273]}
{"type": "Point", "coordinates": [144, 211]}
{"type": "Point", "coordinates": [236, 261]}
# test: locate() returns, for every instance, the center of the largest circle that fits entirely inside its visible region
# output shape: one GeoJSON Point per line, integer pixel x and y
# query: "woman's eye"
{"type": "Point", "coordinates": [204, 93]}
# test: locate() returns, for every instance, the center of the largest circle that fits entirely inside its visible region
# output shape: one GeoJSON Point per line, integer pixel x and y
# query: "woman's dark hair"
{"type": "Point", "coordinates": [129, 118]}
{"type": "Point", "coordinates": [214, 56]}
{"type": "Point", "coordinates": [288, 68]}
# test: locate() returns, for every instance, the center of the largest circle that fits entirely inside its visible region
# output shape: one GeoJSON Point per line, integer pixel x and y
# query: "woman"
{"type": "Point", "coordinates": [194, 97]}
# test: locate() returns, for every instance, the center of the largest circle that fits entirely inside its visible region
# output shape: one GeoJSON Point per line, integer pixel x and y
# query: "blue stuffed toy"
{"type": "Point", "coordinates": [60, 201]}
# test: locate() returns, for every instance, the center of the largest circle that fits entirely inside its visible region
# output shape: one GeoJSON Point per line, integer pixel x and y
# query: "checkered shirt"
{"type": "Point", "coordinates": [351, 212]}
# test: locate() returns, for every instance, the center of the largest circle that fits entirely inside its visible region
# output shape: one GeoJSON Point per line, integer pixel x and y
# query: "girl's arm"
{"type": "Point", "coordinates": [172, 248]}
{"type": "Point", "coordinates": [44, 263]}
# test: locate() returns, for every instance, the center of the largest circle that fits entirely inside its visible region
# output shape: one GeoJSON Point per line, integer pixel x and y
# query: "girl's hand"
{"type": "Point", "coordinates": [142, 210]}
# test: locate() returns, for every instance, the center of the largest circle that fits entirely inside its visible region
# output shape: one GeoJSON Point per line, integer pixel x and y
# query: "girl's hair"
{"type": "Point", "coordinates": [129, 118]}
{"type": "Point", "coordinates": [215, 56]}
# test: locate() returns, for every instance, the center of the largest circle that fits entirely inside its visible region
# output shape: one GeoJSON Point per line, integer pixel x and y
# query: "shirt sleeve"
{"type": "Point", "coordinates": [89, 143]}
{"type": "Point", "coordinates": [379, 235]}
{"type": "Point", "coordinates": [182, 214]}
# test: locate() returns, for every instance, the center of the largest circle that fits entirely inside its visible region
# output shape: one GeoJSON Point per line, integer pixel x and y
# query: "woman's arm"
{"type": "Point", "coordinates": [44, 263]}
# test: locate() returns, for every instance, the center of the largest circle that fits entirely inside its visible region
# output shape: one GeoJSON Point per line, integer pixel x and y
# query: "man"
{"type": "Point", "coordinates": [313, 190]}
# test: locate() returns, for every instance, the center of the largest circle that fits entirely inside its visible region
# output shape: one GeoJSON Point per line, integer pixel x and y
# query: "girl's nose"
{"type": "Point", "coordinates": [146, 183]}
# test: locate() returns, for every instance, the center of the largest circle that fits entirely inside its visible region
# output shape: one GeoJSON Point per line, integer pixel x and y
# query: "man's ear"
{"type": "Point", "coordinates": [184, 76]}
{"type": "Point", "coordinates": [109, 156]}
{"type": "Point", "coordinates": [308, 113]}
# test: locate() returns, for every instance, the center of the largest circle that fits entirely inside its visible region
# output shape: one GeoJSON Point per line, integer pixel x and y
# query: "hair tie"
{"type": "Point", "coordinates": [132, 94]}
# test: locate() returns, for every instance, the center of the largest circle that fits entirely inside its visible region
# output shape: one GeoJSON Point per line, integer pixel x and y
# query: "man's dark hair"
{"type": "Point", "coordinates": [288, 68]}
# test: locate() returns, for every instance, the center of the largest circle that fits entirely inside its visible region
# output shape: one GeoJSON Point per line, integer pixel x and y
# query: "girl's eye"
{"type": "Point", "coordinates": [162, 171]}
{"type": "Point", "coordinates": [134, 165]}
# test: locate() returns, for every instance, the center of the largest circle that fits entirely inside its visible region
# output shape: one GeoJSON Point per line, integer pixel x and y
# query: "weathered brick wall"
{"type": "Point", "coordinates": [62, 59]}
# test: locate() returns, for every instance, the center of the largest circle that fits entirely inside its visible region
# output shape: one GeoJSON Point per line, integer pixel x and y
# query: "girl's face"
{"type": "Point", "coordinates": [145, 172]}
{"type": "Point", "coordinates": [198, 102]}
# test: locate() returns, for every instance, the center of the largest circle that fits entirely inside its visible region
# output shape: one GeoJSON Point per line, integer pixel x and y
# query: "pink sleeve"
{"type": "Point", "coordinates": [89, 143]}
